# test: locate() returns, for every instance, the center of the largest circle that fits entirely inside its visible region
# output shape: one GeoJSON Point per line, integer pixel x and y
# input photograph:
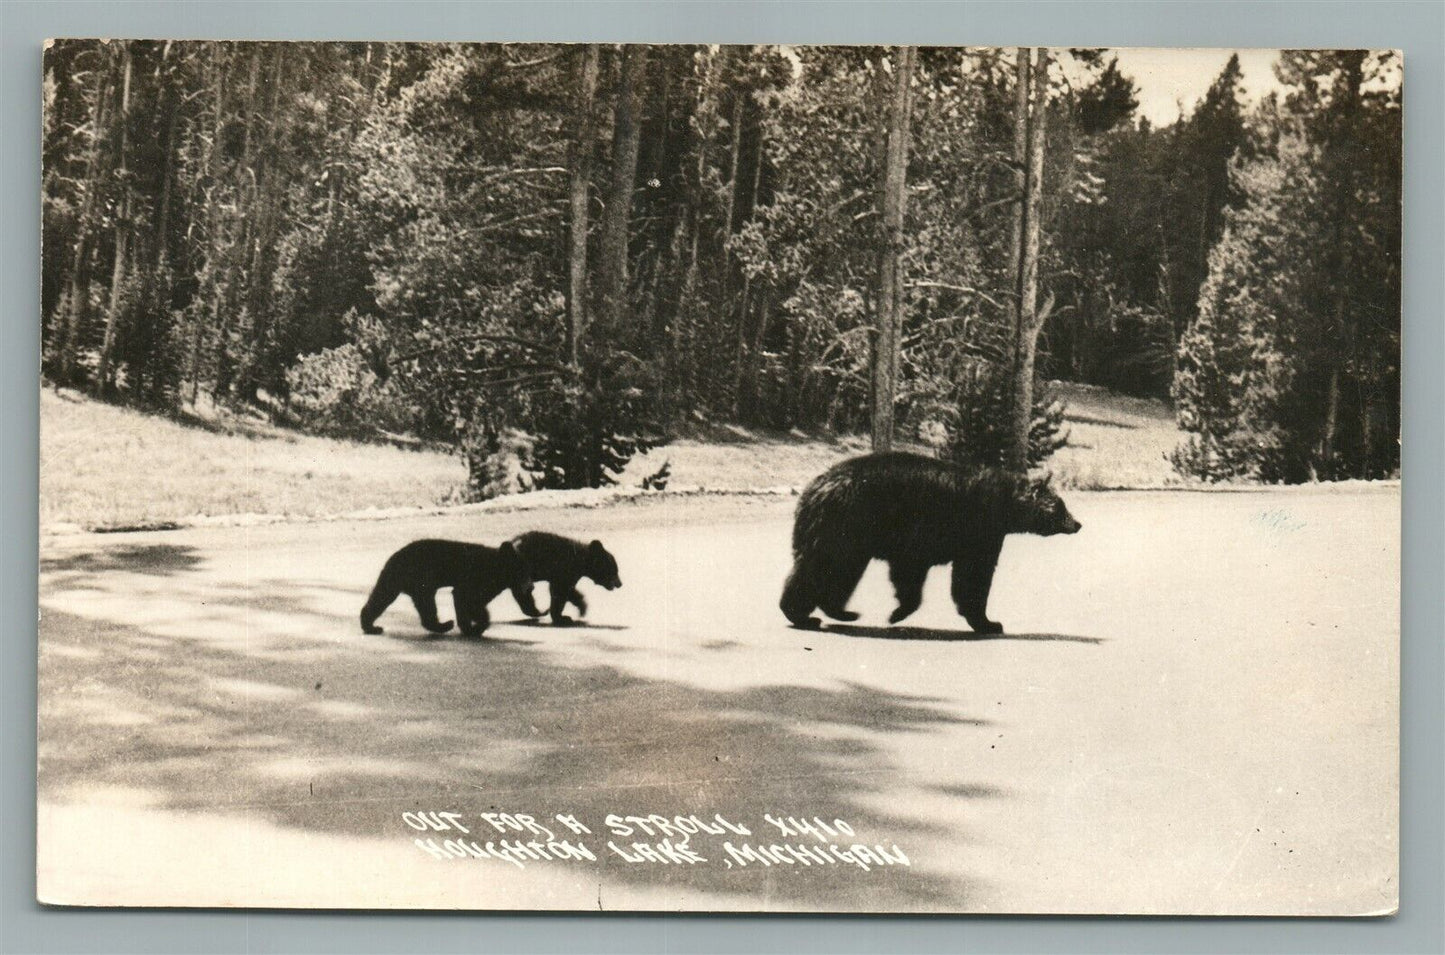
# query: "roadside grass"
{"type": "Point", "coordinates": [1115, 441]}
{"type": "Point", "coordinates": [731, 458]}
{"type": "Point", "coordinates": [103, 466]}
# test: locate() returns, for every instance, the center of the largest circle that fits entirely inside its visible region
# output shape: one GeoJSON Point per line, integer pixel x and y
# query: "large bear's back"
{"type": "Point", "coordinates": [889, 504]}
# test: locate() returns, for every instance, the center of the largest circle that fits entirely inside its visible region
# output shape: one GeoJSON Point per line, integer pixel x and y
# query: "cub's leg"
{"type": "Point", "coordinates": [840, 579]}
{"type": "Point", "coordinates": [381, 597]}
{"type": "Point", "coordinates": [426, 608]}
{"type": "Point", "coordinates": [472, 614]}
{"type": "Point", "coordinates": [561, 593]}
{"type": "Point", "coordinates": [908, 581]}
{"type": "Point", "coordinates": [799, 600]}
{"type": "Point", "coordinates": [972, 581]}
{"type": "Point", "coordinates": [523, 597]}
{"type": "Point", "coordinates": [576, 599]}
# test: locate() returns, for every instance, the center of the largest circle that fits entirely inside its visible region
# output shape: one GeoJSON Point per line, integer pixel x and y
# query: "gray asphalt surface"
{"type": "Point", "coordinates": [1194, 710]}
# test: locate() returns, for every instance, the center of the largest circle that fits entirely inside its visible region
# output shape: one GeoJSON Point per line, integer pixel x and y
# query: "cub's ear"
{"type": "Point", "coordinates": [507, 551]}
{"type": "Point", "coordinates": [596, 548]}
{"type": "Point", "coordinates": [1040, 479]}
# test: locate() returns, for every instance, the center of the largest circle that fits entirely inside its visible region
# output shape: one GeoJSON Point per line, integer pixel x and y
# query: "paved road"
{"type": "Point", "coordinates": [1194, 710]}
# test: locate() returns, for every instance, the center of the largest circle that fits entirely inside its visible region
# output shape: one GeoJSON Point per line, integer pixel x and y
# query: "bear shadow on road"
{"type": "Point", "coordinates": [933, 633]}
{"type": "Point", "coordinates": [571, 624]}
{"type": "Point", "coordinates": [357, 730]}
{"type": "Point", "coordinates": [421, 638]}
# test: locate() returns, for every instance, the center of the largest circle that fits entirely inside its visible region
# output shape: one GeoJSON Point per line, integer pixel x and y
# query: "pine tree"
{"type": "Point", "coordinates": [1235, 389]}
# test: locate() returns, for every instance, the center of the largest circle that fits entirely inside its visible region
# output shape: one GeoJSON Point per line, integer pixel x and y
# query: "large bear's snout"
{"type": "Point", "coordinates": [1071, 526]}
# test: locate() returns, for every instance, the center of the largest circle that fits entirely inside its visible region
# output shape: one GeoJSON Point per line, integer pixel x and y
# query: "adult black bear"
{"type": "Point", "coordinates": [914, 512]}
{"type": "Point", "coordinates": [475, 573]}
{"type": "Point", "coordinates": [561, 562]}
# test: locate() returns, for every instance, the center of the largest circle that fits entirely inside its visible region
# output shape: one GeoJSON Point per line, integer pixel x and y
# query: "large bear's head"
{"type": "Point", "coordinates": [1039, 510]}
{"type": "Point", "coordinates": [602, 566]}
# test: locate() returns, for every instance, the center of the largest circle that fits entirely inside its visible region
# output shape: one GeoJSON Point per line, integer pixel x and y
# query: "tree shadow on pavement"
{"type": "Point", "coordinates": [162, 559]}
{"type": "Point", "coordinates": [350, 731]}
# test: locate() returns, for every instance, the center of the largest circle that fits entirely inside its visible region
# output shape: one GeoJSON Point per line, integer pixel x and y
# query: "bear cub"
{"type": "Point", "coordinates": [914, 512]}
{"type": "Point", "coordinates": [475, 573]}
{"type": "Point", "coordinates": [561, 562]}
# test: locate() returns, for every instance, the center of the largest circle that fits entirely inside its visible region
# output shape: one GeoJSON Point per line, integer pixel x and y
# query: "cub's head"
{"type": "Point", "coordinates": [602, 566]}
{"type": "Point", "coordinates": [1039, 510]}
{"type": "Point", "coordinates": [514, 572]}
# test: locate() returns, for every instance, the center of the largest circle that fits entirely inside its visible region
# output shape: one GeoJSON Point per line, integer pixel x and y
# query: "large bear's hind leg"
{"type": "Point", "coordinates": [381, 597]}
{"type": "Point", "coordinates": [798, 600]}
{"type": "Point", "coordinates": [799, 597]}
{"type": "Point", "coordinates": [908, 581]}
{"type": "Point", "coordinates": [426, 608]}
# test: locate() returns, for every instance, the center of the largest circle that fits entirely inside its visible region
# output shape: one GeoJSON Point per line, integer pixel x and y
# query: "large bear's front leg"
{"type": "Point", "coordinates": [972, 581]}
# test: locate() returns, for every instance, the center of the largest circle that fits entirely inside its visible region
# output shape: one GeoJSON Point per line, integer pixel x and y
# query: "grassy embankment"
{"type": "Point", "coordinates": [102, 466]}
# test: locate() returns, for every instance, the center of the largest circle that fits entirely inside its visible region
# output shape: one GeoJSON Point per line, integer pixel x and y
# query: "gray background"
{"type": "Point", "coordinates": [1418, 28]}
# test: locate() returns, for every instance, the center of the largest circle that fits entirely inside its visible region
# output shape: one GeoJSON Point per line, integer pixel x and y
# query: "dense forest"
{"type": "Point", "coordinates": [549, 256]}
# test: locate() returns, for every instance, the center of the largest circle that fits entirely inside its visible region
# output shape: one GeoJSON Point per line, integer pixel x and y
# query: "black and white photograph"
{"type": "Point", "coordinates": [719, 478]}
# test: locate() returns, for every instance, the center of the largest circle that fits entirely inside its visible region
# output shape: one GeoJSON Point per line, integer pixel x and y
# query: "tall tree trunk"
{"type": "Point", "coordinates": [123, 228]}
{"type": "Point", "coordinates": [890, 280]}
{"type": "Point", "coordinates": [1367, 406]}
{"type": "Point", "coordinates": [226, 357]}
{"type": "Point", "coordinates": [157, 374]}
{"type": "Point", "coordinates": [1022, 81]}
{"type": "Point", "coordinates": [731, 202]}
{"type": "Point", "coordinates": [616, 217]}
{"type": "Point", "coordinates": [1031, 317]}
{"type": "Point", "coordinates": [76, 306]}
{"type": "Point", "coordinates": [580, 186]}
{"type": "Point", "coordinates": [269, 186]}
{"type": "Point", "coordinates": [755, 351]}
{"type": "Point", "coordinates": [200, 329]}
{"type": "Point", "coordinates": [684, 325]}
{"type": "Point", "coordinates": [1347, 324]}
{"type": "Point", "coordinates": [1332, 417]}
{"type": "Point", "coordinates": [672, 141]}
{"type": "Point", "coordinates": [740, 364]}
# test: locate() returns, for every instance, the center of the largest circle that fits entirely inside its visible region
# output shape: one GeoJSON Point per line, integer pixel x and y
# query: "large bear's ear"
{"type": "Point", "coordinates": [507, 551]}
{"type": "Point", "coordinates": [596, 548]}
